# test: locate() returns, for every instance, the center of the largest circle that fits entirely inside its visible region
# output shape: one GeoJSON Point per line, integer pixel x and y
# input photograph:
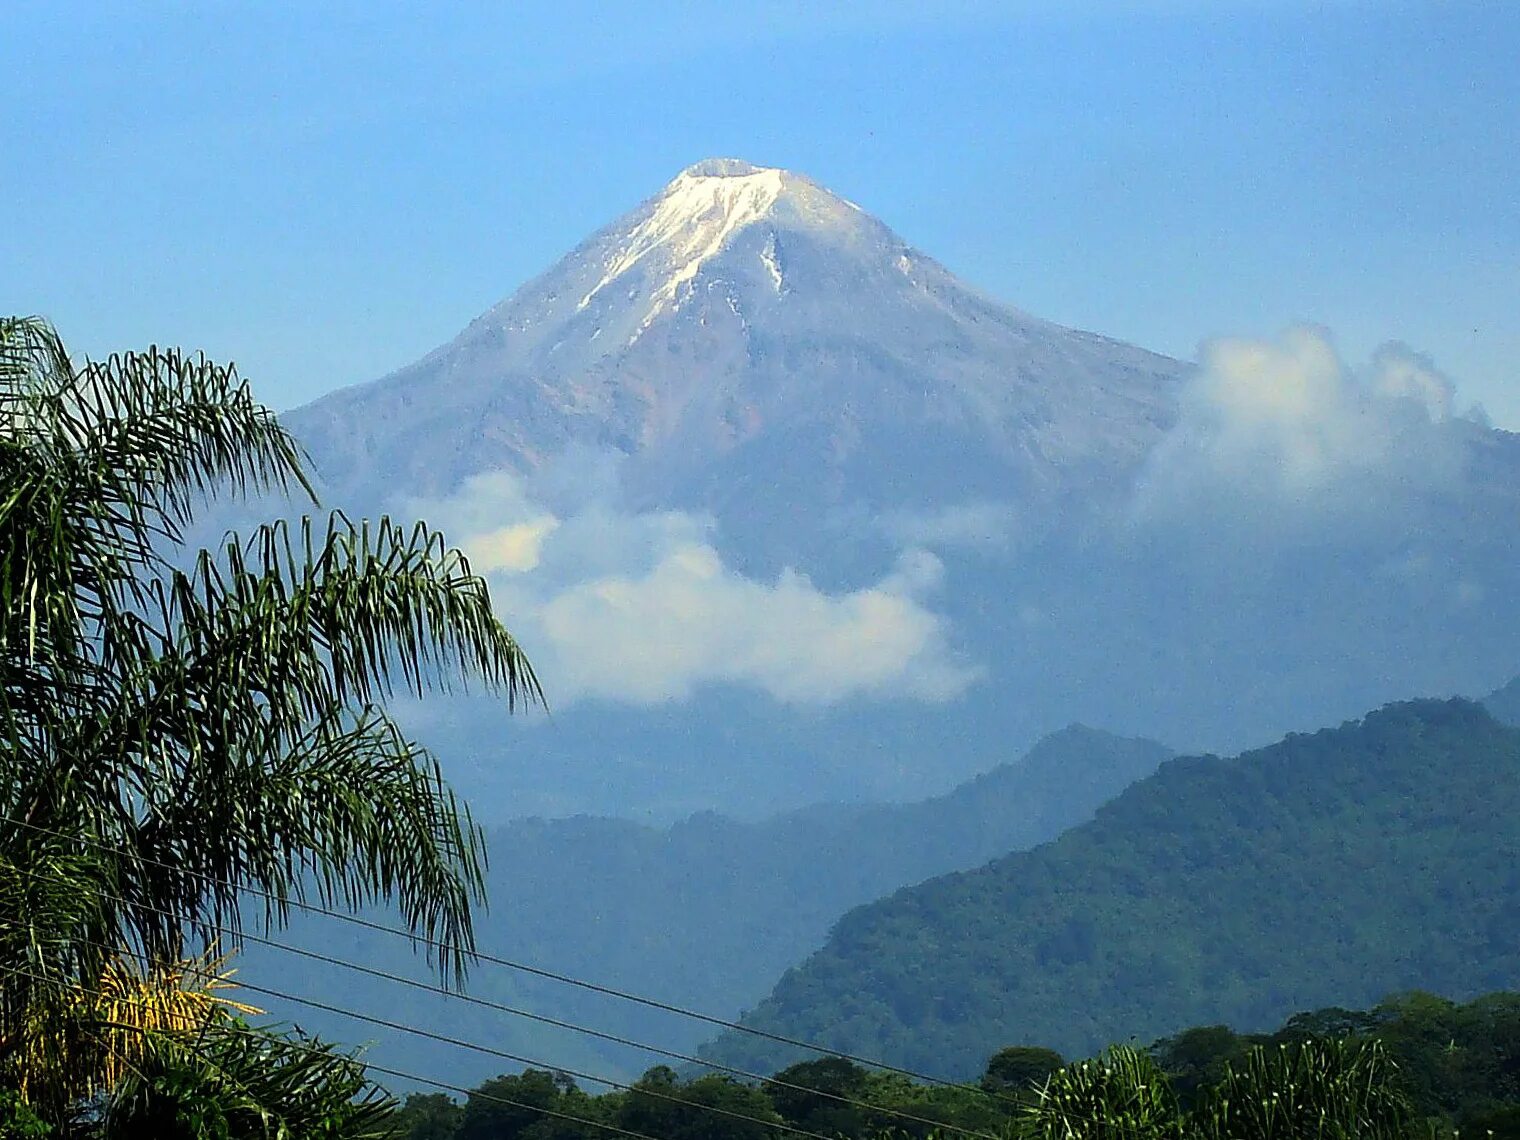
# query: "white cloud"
{"type": "Point", "coordinates": [690, 621]}
{"type": "Point", "coordinates": [641, 608]}
{"type": "Point", "coordinates": [1400, 373]}
{"type": "Point", "coordinates": [514, 549]}
{"type": "Point", "coordinates": [1285, 429]}
{"type": "Point", "coordinates": [1285, 412]}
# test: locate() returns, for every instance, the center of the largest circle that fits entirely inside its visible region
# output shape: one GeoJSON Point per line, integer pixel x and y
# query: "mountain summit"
{"type": "Point", "coordinates": [747, 320]}
{"type": "Point", "coordinates": [760, 449]}
{"type": "Point", "coordinates": [696, 217]}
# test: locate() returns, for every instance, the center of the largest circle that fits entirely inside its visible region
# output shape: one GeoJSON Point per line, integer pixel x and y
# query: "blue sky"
{"type": "Point", "coordinates": [323, 192]}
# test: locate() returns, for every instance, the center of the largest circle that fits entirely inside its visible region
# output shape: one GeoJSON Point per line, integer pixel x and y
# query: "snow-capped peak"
{"type": "Point", "coordinates": [693, 218]}
{"type": "Point", "coordinates": [725, 168]}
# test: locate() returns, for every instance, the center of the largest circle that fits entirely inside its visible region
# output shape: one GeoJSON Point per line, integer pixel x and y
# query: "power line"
{"type": "Point", "coordinates": [473, 1093]}
{"type": "Point", "coordinates": [461, 1043]}
{"type": "Point", "coordinates": [507, 963]}
{"type": "Point", "coordinates": [539, 1064]}
{"type": "Point", "coordinates": [532, 1063]}
{"type": "Point", "coordinates": [386, 975]}
{"type": "Point", "coordinates": [493, 1098]}
{"type": "Point", "coordinates": [403, 1074]}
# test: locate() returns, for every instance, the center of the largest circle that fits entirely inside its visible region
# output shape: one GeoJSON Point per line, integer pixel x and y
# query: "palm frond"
{"type": "Point", "coordinates": [95, 1037]}
{"type": "Point", "coordinates": [130, 1003]}
{"type": "Point", "coordinates": [350, 809]}
{"type": "Point", "coordinates": [246, 730]}
{"type": "Point", "coordinates": [1120, 1095]}
{"type": "Point", "coordinates": [235, 1080]}
{"type": "Point", "coordinates": [194, 727]}
{"type": "Point", "coordinates": [1328, 1089]}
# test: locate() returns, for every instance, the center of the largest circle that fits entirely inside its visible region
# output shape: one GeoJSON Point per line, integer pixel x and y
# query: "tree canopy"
{"type": "Point", "coordinates": [1326, 869]}
{"type": "Point", "coordinates": [183, 730]}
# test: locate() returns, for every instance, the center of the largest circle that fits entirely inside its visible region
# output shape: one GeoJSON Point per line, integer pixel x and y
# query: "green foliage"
{"type": "Point", "coordinates": [1020, 1068]}
{"type": "Point", "coordinates": [648, 1108]}
{"type": "Point", "coordinates": [1307, 1090]}
{"type": "Point", "coordinates": [1458, 1063]}
{"type": "Point", "coordinates": [1415, 1066]}
{"type": "Point", "coordinates": [1456, 1060]}
{"type": "Point", "coordinates": [180, 727]}
{"type": "Point", "coordinates": [825, 1114]}
{"type": "Point", "coordinates": [240, 1083]}
{"type": "Point", "coordinates": [218, 726]}
{"type": "Point", "coordinates": [1200, 1057]}
{"type": "Point", "coordinates": [1324, 870]}
{"type": "Point", "coordinates": [524, 1105]}
{"type": "Point", "coordinates": [18, 1121]}
{"type": "Point", "coordinates": [1122, 1093]}
{"type": "Point", "coordinates": [1497, 1123]}
{"type": "Point", "coordinates": [428, 1116]}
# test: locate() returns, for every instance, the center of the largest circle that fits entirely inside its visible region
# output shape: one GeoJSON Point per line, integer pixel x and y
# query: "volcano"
{"type": "Point", "coordinates": [913, 526]}
{"type": "Point", "coordinates": [750, 344]}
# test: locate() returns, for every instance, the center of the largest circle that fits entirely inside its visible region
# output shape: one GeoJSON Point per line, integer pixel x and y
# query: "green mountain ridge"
{"type": "Point", "coordinates": [704, 914]}
{"type": "Point", "coordinates": [1328, 869]}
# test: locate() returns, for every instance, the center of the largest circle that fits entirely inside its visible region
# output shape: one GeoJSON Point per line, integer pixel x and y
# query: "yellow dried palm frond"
{"type": "Point", "coordinates": [133, 1004]}
{"type": "Point", "coordinates": [102, 1034]}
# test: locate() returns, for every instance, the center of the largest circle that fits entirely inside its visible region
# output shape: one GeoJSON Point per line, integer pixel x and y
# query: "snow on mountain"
{"type": "Point", "coordinates": [788, 512]}
{"type": "Point", "coordinates": [745, 319]}
{"type": "Point", "coordinates": [691, 222]}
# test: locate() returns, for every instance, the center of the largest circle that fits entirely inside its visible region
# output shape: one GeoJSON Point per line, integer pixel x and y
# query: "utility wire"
{"type": "Point", "coordinates": [536, 1064]}
{"type": "Point", "coordinates": [524, 967]}
{"type": "Point", "coordinates": [403, 1074]}
{"type": "Point", "coordinates": [531, 1062]}
{"type": "Point", "coordinates": [401, 979]}
{"type": "Point", "coordinates": [476, 1094]}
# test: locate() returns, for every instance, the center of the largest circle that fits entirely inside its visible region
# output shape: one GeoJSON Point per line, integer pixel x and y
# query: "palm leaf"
{"type": "Point", "coordinates": [194, 726]}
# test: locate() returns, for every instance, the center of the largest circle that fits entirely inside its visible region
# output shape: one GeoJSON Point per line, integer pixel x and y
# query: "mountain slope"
{"type": "Point", "coordinates": [705, 913]}
{"type": "Point", "coordinates": [785, 513]}
{"type": "Point", "coordinates": [1504, 703]}
{"type": "Point", "coordinates": [723, 905]}
{"type": "Point", "coordinates": [716, 337]}
{"type": "Point", "coordinates": [1328, 869]}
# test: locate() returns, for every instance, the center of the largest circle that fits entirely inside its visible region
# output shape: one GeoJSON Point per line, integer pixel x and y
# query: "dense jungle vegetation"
{"type": "Point", "coordinates": [1415, 1065]}
{"type": "Point", "coordinates": [1331, 867]}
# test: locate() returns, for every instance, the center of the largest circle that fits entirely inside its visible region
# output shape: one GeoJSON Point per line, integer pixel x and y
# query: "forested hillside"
{"type": "Point", "coordinates": [1327, 869]}
{"type": "Point", "coordinates": [709, 912]}
{"type": "Point", "coordinates": [1447, 1067]}
{"type": "Point", "coordinates": [724, 906]}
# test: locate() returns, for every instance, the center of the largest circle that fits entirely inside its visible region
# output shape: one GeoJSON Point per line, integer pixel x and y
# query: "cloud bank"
{"type": "Point", "coordinates": [1285, 433]}
{"type": "Point", "coordinates": [1282, 452]}
{"type": "Point", "coordinates": [641, 608]}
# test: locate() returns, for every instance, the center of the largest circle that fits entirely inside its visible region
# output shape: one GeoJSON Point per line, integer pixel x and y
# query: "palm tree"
{"type": "Point", "coordinates": [1316, 1089]}
{"type": "Point", "coordinates": [180, 727]}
